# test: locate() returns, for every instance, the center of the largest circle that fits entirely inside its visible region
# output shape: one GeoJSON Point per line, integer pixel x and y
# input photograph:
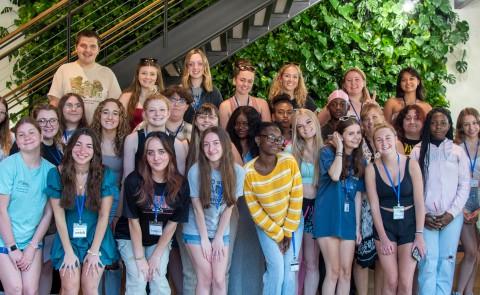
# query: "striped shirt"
{"type": "Point", "coordinates": [275, 200]}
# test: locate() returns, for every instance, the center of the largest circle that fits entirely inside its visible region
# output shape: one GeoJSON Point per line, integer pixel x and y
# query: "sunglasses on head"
{"type": "Point", "coordinates": [346, 118]}
{"type": "Point", "coordinates": [148, 60]}
{"type": "Point", "coordinates": [246, 68]}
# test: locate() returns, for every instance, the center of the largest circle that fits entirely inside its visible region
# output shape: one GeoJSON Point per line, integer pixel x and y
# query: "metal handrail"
{"type": "Point", "coordinates": [32, 22]}
{"type": "Point", "coordinates": [19, 89]}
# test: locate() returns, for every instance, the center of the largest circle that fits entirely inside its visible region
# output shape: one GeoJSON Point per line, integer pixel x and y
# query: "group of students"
{"type": "Point", "coordinates": [238, 196]}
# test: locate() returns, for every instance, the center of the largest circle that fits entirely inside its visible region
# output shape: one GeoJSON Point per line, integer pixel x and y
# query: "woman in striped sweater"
{"type": "Point", "coordinates": [273, 192]}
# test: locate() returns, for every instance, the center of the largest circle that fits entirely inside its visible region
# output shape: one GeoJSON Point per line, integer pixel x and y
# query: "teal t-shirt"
{"type": "Point", "coordinates": [25, 187]}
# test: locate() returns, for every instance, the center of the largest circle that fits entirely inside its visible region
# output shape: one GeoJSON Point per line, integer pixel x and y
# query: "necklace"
{"type": "Point", "coordinates": [81, 180]}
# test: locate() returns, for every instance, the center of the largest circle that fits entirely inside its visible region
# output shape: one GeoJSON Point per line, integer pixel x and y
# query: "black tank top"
{"type": "Point", "coordinates": [387, 197]}
{"type": "Point", "coordinates": [140, 147]}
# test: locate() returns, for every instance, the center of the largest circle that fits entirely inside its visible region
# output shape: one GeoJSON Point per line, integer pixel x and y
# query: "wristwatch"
{"type": "Point", "coordinates": [13, 247]}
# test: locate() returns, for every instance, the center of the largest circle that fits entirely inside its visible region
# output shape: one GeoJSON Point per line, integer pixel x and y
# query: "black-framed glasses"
{"type": "Point", "coordinates": [346, 118]}
{"type": "Point", "coordinates": [44, 122]}
{"type": "Point", "coordinates": [272, 139]}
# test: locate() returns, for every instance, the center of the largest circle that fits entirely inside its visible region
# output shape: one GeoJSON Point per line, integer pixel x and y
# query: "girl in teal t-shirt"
{"type": "Point", "coordinates": [24, 213]}
{"type": "Point", "coordinates": [81, 195]}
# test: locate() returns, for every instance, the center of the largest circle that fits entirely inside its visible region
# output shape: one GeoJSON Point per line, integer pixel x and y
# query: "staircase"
{"type": "Point", "coordinates": [221, 30]}
{"type": "Point", "coordinates": [163, 29]}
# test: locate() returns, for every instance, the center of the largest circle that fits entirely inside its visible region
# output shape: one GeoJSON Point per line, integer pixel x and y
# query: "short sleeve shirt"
{"type": "Point", "coordinates": [217, 204]}
{"type": "Point", "coordinates": [25, 187]}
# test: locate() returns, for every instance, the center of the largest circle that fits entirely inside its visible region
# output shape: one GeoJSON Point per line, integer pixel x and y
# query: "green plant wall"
{"type": "Point", "coordinates": [376, 36]}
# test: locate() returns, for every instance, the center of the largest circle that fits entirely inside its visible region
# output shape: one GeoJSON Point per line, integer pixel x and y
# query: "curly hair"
{"type": "Point", "coordinates": [226, 168]}
{"type": "Point", "coordinates": [253, 119]}
{"type": "Point", "coordinates": [122, 129]}
{"type": "Point", "coordinates": [398, 124]}
{"type": "Point", "coordinates": [95, 173]}
{"type": "Point", "coordinates": [300, 93]}
{"type": "Point", "coordinates": [173, 178]}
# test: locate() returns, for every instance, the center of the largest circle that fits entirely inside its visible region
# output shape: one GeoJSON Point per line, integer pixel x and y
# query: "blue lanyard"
{"type": "Point", "coordinates": [157, 205]}
{"type": "Point", "coordinates": [474, 162]}
{"type": "Point", "coordinates": [347, 185]}
{"type": "Point", "coordinates": [396, 190]}
{"type": "Point", "coordinates": [218, 200]}
{"type": "Point", "coordinates": [293, 245]}
{"type": "Point", "coordinates": [80, 201]}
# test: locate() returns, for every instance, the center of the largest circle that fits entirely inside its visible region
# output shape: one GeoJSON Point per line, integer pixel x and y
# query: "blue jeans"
{"type": "Point", "coordinates": [278, 278]}
{"type": "Point", "coordinates": [135, 283]}
{"type": "Point", "coordinates": [436, 270]}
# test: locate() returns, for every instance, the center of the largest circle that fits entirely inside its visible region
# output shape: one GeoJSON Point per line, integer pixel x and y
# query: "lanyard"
{"type": "Point", "coordinates": [396, 190]}
{"type": "Point", "coordinates": [474, 162]}
{"type": "Point", "coordinates": [355, 111]}
{"type": "Point", "coordinates": [80, 201]}
{"type": "Point", "coordinates": [218, 200]}
{"type": "Point", "coordinates": [347, 186]}
{"type": "Point", "coordinates": [157, 205]}
{"type": "Point", "coordinates": [293, 245]}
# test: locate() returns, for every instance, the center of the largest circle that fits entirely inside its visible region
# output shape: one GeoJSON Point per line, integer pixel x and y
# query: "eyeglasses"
{"type": "Point", "coordinates": [3, 113]}
{"type": "Point", "coordinates": [44, 122]}
{"type": "Point", "coordinates": [204, 117]}
{"type": "Point", "coordinates": [346, 118]}
{"type": "Point", "coordinates": [178, 101]}
{"type": "Point", "coordinates": [148, 60]}
{"type": "Point", "coordinates": [272, 139]}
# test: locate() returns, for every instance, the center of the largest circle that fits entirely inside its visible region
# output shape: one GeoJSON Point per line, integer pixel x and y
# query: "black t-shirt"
{"type": "Point", "coordinates": [176, 212]}
{"type": "Point", "coordinates": [408, 145]}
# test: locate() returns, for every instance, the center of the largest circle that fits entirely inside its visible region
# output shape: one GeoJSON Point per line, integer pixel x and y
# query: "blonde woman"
{"type": "Point", "coordinates": [196, 76]}
{"type": "Point", "coordinates": [289, 80]}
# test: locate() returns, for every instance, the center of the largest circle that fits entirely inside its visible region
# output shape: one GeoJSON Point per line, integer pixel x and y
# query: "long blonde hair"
{"type": "Point", "coordinates": [298, 143]}
{"type": "Point", "coordinates": [207, 76]}
{"type": "Point", "coordinates": [365, 93]}
{"type": "Point", "coordinates": [300, 93]}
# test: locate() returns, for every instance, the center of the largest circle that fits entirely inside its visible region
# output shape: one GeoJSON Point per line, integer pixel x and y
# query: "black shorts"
{"type": "Point", "coordinates": [401, 231]}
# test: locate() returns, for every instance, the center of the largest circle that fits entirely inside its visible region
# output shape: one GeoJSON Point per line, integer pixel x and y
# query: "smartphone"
{"type": "Point", "coordinates": [416, 254]}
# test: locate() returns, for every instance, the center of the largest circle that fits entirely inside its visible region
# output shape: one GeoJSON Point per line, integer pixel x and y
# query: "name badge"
{"type": "Point", "coordinates": [473, 182]}
{"type": "Point", "coordinates": [346, 207]}
{"type": "Point", "coordinates": [79, 230]}
{"type": "Point", "coordinates": [398, 212]}
{"type": "Point", "coordinates": [155, 228]}
{"type": "Point", "coordinates": [294, 266]}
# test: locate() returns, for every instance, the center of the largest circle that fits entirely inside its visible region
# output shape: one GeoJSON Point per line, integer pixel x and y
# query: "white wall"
{"type": "Point", "coordinates": [466, 92]}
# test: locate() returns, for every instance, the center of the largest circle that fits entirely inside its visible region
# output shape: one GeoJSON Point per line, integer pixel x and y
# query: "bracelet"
{"type": "Point", "coordinates": [419, 232]}
{"type": "Point", "coordinates": [93, 253]}
{"type": "Point", "coordinates": [338, 154]}
{"type": "Point", "coordinates": [35, 246]}
{"type": "Point", "coordinates": [140, 258]}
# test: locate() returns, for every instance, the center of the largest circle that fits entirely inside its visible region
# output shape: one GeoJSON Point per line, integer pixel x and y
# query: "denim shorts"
{"type": "Point", "coordinates": [195, 239]}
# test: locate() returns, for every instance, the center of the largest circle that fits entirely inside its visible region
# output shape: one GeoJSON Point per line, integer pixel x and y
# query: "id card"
{"type": "Point", "coordinates": [346, 207]}
{"type": "Point", "coordinates": [155, 228]}
{"type": "Point", "coordinates": [473, 182]}
{"type": "Point", "coordinates": [79, 230]}
{"type": "Point", "coordinates": [398, 212]}
{"type": "Point", "coordinates": [294, 266]}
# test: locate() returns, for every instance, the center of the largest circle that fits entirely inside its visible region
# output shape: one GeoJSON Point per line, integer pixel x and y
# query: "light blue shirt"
{"type": "Point", "coordinates": [217, 205]}
{"type": "Point", "coordinates": [25, 187]}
